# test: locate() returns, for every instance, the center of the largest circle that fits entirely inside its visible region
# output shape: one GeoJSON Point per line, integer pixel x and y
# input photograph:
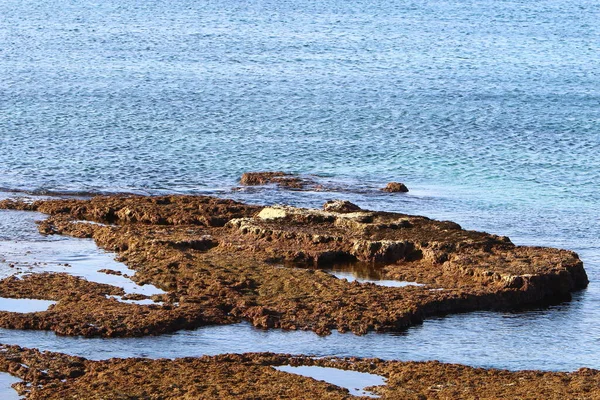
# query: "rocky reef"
{"type": "Point", "coordinates": [280, 178]}
{"type": "Point", "coordinates": [221, 261]}
{"type": "Point", "coordinates": [296, 182]}
{"type": "Point", "coordinates": [57, 376]}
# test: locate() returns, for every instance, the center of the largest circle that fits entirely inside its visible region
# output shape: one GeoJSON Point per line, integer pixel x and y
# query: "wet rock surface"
{"type": "Point", "coordinates": [84, 308]}
{"type": "Point", "coordinates": [221, 261]}
{"type": "Point", "coordinates": [163, 210]}
{"type": "Point", "coordinates": [50, 376]}
{"type": "Point", "coordinates": [280, 178]}
{"type": "Point", "coordinates": [395, 187]}
{"type": "Point", "coordinates": [340, 206]}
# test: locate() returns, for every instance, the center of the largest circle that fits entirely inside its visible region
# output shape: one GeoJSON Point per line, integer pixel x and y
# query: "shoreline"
{"type": "Point", "coordinates": [228, 240]}
{"type": "Point", "coordinates": [51, 375]}
{"type": "Point", "coordinates": [225, 257]}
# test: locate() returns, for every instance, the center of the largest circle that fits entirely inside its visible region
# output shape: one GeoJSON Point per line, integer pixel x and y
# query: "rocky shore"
{"type": "Point", "coordinates": [57, 376]}
{"type": "Point", "coordinates": [220, 262]}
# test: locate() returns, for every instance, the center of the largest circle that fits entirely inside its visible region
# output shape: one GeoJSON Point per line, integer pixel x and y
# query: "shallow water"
{"type": "Point", "coordinates": [24, 305]}
{"type": "Point", "coordinates": [7, 392]}
{"type": "Point", "coordinates": [24, 251]}
{"type": "Point", "coordinates": [488, 111]}
{"type": "Point", "coordinates": [365, 273]}
{"type": "Point", "coordinates": [354, 381]}
{"type": "Point", "coordinates": [498, 340]}
{"type": "Point", "coordinates": [350, 277]}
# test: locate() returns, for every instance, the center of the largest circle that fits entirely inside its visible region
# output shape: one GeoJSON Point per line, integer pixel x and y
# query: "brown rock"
{"type": "Point", "coordinates": [340, 206]}
{"type": "Point", "coordinates": [282, 179]}
{"type": "Point", "coordinates": [261, 178]}
{"type": "Point", "coordinates": [224, 261]}
{"type": "Point", "coordinates": [395, 187]}
{"type": "Point", "coordinates": [56, 376]}
{"type": "Point", "coordinates": [110, 271]}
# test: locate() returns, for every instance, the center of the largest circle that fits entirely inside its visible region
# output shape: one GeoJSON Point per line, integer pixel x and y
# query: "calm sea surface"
{"type": "Point", "coordinates": [488, 110]}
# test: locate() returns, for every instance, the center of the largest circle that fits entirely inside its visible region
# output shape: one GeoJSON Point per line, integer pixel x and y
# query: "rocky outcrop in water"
{"type": "Point", "coordinates": [281, 179]}
{"type": "Point", "coordinates": [221, 261]}
{"type": "Point", "coordinates": [395, 187]}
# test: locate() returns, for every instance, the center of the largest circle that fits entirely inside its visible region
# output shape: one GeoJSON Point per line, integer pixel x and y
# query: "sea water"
{"type": "Point", "coordinates": [488, 110]}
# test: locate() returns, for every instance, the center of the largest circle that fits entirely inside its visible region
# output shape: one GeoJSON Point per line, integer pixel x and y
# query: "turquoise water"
{"type": "Point", "coordinates": [488, 110]}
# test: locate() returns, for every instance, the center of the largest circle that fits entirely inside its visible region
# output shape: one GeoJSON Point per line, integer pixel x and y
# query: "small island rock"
{"type": "Point", "coordinates": [395, 187]}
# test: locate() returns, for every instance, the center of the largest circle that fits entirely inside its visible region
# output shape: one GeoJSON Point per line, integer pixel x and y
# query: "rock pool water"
{"type": "Point", "coordinates": [24, 251]}
{"type": "Point", "coordinates": [24, 305]}
{"type": "Point", "coordinates": [365, 274]}
{"type": "Point", "coordinates": [354, 381]}
{"type": "Point", "coordinates": [7, 392]}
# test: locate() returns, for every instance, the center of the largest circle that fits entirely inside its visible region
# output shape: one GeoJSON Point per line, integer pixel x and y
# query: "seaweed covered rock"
{"type": "Point", "coordinates": [395, 187]}
{"type": "Point", "coordinates": [276, 177]}
{"type": "Point", "coordinates": [56, 376]}
{"type": "Point", "coordinates": [220, 261]}
{"type": "Point", "coordinates": [340, 206]}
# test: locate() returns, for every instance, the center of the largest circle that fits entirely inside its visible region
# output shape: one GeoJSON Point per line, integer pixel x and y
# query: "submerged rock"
{"type": "Point", "coordinates": [278, 177]}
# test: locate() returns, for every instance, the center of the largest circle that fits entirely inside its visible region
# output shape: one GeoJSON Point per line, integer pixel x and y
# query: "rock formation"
{"type": "Point", "coordinates": [395, 187]}
{"type": "Point", "coordinates": [221, 261]}
{"type": "Point", "coordinates": [56, 376]}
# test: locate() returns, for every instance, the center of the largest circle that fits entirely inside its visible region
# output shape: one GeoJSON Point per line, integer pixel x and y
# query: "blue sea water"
{"type": "Point", "coordinates": [488, 110]}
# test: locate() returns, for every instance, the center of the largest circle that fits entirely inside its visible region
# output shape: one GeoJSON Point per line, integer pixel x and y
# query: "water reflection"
{"type": "Point", "coordinates": [365, 273]}
{"type": "Point", "coordinates": [24, 305]}
{"type": "Point", "coordinates": [354, 381]}
{"type": "Point", "coordinates": [6, 391]}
